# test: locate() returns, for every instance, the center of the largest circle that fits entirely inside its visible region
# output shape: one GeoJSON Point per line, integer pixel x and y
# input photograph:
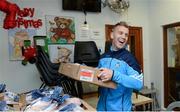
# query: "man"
{"type": "Point", "coordinates": [120, 66]}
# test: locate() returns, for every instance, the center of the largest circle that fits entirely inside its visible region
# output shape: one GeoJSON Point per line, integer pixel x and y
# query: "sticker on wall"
{"type": "Point", "coordinates": [16, 41]}
{"type": "Point", "coordinates": [96, 34]}
{"type": "Point", "coordinates": [60, 29]}
{"type": "Point", "coordinates": [61, 53]}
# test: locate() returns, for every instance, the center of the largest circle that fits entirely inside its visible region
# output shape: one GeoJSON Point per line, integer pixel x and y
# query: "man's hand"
{"type": "Point", "coordinates": [105, 75]}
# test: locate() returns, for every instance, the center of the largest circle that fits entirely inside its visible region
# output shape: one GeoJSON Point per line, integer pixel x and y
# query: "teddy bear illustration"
{"type": "Point", "coordinates": [63, 55]}
{"type": "Point", "coordinates": [62, 30]}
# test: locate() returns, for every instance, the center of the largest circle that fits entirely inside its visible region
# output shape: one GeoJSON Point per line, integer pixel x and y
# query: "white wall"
{"type": "Point", "coordinates": [162, 12]}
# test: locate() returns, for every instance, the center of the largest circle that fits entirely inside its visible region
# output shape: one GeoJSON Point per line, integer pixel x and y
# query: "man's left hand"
{"type": "Point", "coordinates": [106, 74]}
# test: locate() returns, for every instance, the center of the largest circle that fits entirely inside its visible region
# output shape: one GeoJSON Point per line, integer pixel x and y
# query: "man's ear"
{"type": "Point", "coordinates": [111, 35]}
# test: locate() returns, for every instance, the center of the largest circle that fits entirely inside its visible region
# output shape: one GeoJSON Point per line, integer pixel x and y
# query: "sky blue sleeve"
{"type": "Point", "coordinates": [132, 79]}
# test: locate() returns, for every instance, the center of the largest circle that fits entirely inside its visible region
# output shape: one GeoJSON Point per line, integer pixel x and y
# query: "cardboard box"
{"type": "Point", "coordinates": [1, 96]}
{"type": "Point", "coordinates": [15, 106]}
{"type": "Point", "coordinates": [84, 73]}
{"type": "Point", "coordinates": [22, 99]}
{"type": "Point", "coordinates": [18, 106]}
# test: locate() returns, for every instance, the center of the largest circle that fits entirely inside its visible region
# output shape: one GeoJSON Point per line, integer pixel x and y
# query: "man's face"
{"type": "Point", "coordinates": [119, 37]}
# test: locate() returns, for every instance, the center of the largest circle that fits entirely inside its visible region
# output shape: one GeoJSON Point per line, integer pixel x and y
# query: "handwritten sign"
{"type": "Point", "coordinates": [27, 12]}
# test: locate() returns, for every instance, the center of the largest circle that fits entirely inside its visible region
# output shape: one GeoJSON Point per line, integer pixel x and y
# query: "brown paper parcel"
{"type": "Point", "coordinates": [84, 73]}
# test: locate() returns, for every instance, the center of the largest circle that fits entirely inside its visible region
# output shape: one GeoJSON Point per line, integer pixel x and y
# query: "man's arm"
{"type": "Point", "coordinates": [132, 79]}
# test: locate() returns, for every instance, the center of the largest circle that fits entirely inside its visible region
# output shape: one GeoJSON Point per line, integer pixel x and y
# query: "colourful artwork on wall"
{"type": "Point", "coordinates": [16, 41]}
{"type": "Point", "coordinates": [16, 17]}
{"type": "Point", "coordinates": [61, 53]}
{"type": "Point", "coordinates": [60, 29]}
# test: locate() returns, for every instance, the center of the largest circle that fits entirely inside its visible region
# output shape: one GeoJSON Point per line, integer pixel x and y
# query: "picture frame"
{"type": "Point", "coordinates": [61, 53]}
{"type": "Point", "coordinates": [60, 29]}
{"type": "Point", "coordinates": [16, 37]}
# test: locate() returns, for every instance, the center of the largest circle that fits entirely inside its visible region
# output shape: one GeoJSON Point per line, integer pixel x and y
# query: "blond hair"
{"type": "Point", "coordinates": [122, 23]}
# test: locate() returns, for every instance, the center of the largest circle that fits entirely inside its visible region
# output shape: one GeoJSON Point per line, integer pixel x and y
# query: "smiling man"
{"type": "Point", "coordinates": [120, 66]}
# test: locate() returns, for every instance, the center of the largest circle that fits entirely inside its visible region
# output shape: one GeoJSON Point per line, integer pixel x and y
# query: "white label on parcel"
{"type": "Point", "coordinates": [86, 75]}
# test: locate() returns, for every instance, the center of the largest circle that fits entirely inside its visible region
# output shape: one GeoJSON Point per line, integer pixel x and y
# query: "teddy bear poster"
{"type": "Point", "coordinates": [61, 53]}
{"type": "Point", "coordinates": [60, 29]}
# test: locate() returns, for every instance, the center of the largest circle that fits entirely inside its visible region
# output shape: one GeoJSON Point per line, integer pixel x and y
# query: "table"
{"type": "Point", "coordinates": [92, 99]}
{"type": "Point", "coordinates": [140, 100]}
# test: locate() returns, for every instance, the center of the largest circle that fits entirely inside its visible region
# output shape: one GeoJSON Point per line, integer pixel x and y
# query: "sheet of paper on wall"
{"type": "Point", "coordinates": [40, 42]}
{"type": "Point", "coordinates": [85, 31]}
{"type": "Point", "coordinates": [96, 34]}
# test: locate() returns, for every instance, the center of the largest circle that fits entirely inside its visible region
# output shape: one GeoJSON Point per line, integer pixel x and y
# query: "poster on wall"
{"type": "Point", "coordinates": [61, 53]}
{"type": "Point", "coordinates": [60, 29]}
{"type": "Point", "coordinates": [16, 41]}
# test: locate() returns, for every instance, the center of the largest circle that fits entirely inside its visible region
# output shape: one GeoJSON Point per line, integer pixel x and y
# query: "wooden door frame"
{"type": "Point", "coordinates": [165, 53]}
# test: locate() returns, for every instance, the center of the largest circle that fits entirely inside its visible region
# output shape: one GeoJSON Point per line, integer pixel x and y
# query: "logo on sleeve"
{"type": "Point", "coordinates": [117, 65]}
